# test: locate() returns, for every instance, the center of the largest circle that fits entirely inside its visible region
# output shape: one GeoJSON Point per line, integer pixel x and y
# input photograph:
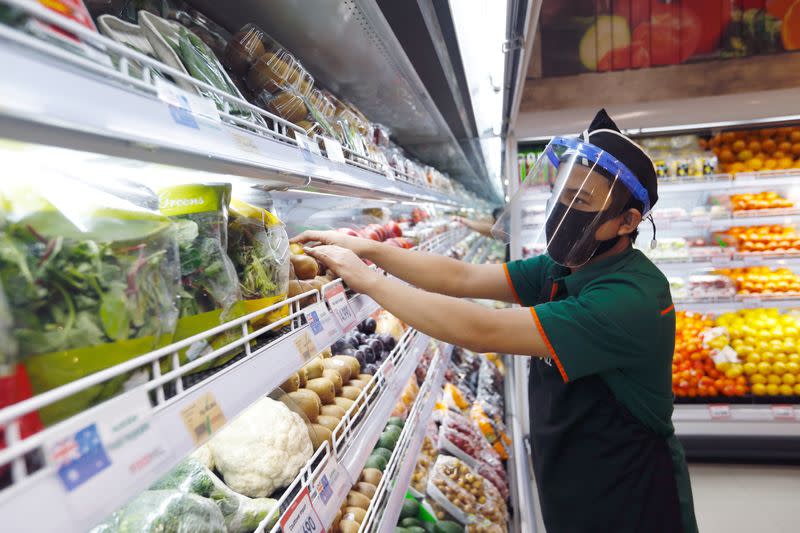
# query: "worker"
{"type": "Point", "coordinates": [595, 315]}
{"type": "Point", "coordinates": [483, 227]}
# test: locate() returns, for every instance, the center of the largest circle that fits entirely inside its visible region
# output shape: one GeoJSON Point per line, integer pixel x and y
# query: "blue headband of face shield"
{"type": "Point", "coordinates": [562, 147]}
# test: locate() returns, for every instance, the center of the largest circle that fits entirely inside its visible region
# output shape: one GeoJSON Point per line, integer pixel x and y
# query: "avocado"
{"type": "Point", "coordinates": [429, 527]}
{"type": "Point", "coordinates": [411, 521]}
{"type": "Point", "coordinates": [446, 526]}
{"type": "Point", "coordinates": [387, 440]}
{"type": "Point", "coordinates": [383, 452]}
{"type": "Point", "coordinates": [400, 530]}
{"type": "Point", "coordinates": [396, 421]}
{"type": "Point", "coordinates": [376, 461]}
{"type": "Point", "coordinates": [415, 529]}
{"type": "Point", "coordinates": [410, 509]}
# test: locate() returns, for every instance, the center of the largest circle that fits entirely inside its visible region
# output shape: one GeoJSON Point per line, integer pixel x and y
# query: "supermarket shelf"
{"type": "Point", "coordinates": [386, 504]}
{"type": "Point", "coordinates": [105, 110]}
{"type": "Point", "coordinates": [357, 433]}
{"type": "Point", "coordinates": [146, 430]}
{"type": "Point", "coordinates": [721, 305]}
{"type": "Point", "coordinates": [685, 226]}
{"type": "Point", "coordinates": [727, 183]}
{"type": "Point", "coordinates": [726, 260]}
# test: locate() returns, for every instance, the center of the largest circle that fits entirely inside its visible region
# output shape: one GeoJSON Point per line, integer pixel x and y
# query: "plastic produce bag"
{"type": "Point", "coordinates": [209, 293]}
{"type": "Point", "coordinates": [165, 511]}
{"type": "Point", "coordinates": [91, 280]}
{"type": "Point", "coordinates": [241, 514]}
{"type": "Point", "coordinates": [259, 248]}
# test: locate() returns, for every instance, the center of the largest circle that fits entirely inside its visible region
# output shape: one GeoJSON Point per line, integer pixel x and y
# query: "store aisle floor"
{"type": "Point", "coordinates": [739, 498]}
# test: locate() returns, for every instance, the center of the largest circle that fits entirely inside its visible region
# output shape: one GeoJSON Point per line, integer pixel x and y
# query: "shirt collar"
{"type": "Point", "coordinates": [575, 281]}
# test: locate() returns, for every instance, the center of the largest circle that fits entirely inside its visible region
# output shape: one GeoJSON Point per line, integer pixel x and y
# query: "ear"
{"type": "Point", "coordinates": [630, 221]}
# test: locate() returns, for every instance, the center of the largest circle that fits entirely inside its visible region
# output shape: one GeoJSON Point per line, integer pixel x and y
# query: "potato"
{"type": "Point", "coordinates": [349, 526]}
{"type": "Point", "coordinates": [324, 389]}
{"type": "Point", "coordinates": [351, 393]}
{"type": "Point", "coordinates": [371, 475]}
{"type": "Point", "coordinates": [344, 403]}
{"type": "Point", "coordinates": [307, 401]}
{"type": "Point", "coordinates": [356, 514]}
{"type": "Point", "coordinates": [318, 435]}
{"type": "Point", "coordinates": [332, 410]}
{"type": "Point", "coordinates": [305, 266]}
{"type": "Point", "coordinates": [329, 422]}
{"type": "Point", "coordinates": [356, 499]}
{"type": "Point", "coordinates": [367, 489]}
{"type": "Point", "coordinates": [357, 383]}
{"type": "Point", "coordinates": [352, 362]}
{"type": "Point", "coordinates": [335, 378]}
{"type": "Point", "coordinates": [342, 367]}
{"type": "Point", "coordinates": [314, 368]}
{"type": "Point", "coordinates": [291, 384]}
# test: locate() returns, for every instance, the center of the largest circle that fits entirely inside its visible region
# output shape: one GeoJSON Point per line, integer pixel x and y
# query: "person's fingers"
{"type": "Point", "coordinates": [306, 236]}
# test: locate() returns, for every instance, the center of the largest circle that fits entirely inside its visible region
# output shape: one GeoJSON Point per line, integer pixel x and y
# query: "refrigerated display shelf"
{"type": "Point", "coordinates": [723, 259]}
{"type": "Point", "coordinates": [385, 507]}
{"type": "Point", "coordinates": [144, 431]}
{"type": "Point", "coordinates": [722, 305]}
{"type": "Point", "coordinates": [728, 183]}
{"type": "Point", "coordinates": [341, 462]}
{"type": "Point", "coordinates": [104, 109]}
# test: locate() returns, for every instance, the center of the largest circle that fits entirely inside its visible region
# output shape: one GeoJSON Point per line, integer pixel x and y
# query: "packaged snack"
{"type": "Point", "coordinates": [91, 282]}
{"type": "Point", "coordinates": [465, 494]}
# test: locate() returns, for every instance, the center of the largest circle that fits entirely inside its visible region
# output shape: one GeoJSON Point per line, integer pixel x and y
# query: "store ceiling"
{"type": "Point", "coordinates": [400, 67]}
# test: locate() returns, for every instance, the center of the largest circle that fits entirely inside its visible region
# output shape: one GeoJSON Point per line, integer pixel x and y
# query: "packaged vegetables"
{"type": "Point", "coordinates": [91, 280]}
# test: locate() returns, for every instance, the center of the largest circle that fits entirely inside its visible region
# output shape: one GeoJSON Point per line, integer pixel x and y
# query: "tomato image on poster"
{"type": "Point", "coordinates": [602, 35]}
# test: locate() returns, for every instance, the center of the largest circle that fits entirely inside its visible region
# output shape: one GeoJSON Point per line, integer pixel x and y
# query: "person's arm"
{"type": "Point", "coordinates": [452, 320]}
{"type": "Point", "coordinates": [428, 271]}
{"type": "Point", "coordinates": [479, 226]}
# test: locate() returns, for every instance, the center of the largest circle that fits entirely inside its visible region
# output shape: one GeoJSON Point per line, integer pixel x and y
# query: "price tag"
{"type": "Point", "coordinates": [306, 346]}
{"type": "Point", "coordinates": [333, 149]}
{"type": "Point", "coordinates": [719, 412]}
{"type": "Point", "coordinates": [389, 171]}
{"type": "Point", "coordinates": [751, 259]}
{"type": "Point", "coordinates": [323, 325]}
{"type": "Point", "coordinates": [301, 517]}
{"type": "Point", "coordinates": [701, 220]}
{"type": "Point", "coordinates": [203, 417]}
{"type": "Point", "coordinates": [245, 143]}
{"type": "Point", "coordinates": [184, 106]}
{"type": "Point", "coordinates": [306, 145]}
{"type": "Point", "coordinates": [340, 307]}
{"type": "Point", "coordinates": [720, 260]}
{"type": "Point", "coordinates": [783, 412]}
{"type": "Point", "coordinates": [752, 303]}
{"type": "Point", "coordinates": [329, 490]}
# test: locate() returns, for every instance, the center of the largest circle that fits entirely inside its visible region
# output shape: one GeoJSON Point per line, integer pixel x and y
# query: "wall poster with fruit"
{"type": "Point", "coordinates": [607, 35]}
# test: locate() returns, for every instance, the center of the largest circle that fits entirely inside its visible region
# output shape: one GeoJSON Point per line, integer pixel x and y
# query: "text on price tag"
{"type": "Point", "coordinates": [340, 307]}
{"type": "Point", "coordinates": [323, 326]}
{"type": "Point", "coordinates": [719, 412]}
{"type": "Point", "coordinates": [306, 346]}
{"type": "Point", "coordinates": [783, 412]}
{"type": "Point", "coordinates": [203, 417]}
{"type": "Point", "coordinates": [333, 150]}
{"type": "Point", "coordinates": [301, 517]}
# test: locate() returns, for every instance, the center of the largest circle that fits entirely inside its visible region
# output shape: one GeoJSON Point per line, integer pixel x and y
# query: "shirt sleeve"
{"type": "Point", "coordinates": [526, 277]}
{"type": "Point", "coordinates": [605, 327]}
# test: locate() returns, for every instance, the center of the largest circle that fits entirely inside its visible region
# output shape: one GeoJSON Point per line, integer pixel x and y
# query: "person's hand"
{"type": "Point", "coordinates": [334, 238]}
{"type": "Point", "coordinates": [345, 264]}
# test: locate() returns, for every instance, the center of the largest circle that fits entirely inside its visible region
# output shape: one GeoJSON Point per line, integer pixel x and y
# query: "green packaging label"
{"type": "Point", "coordinates": [193, 198]}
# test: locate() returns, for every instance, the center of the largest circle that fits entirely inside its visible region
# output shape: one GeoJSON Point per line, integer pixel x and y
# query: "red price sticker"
{"type": "Point", "coordinates": [340, 307]}
{"type": "Point", "coordinates": [301, 517]}
{"type": "Point", "coordinates": [783, 412]}
{"type": "Point", "coordinates": [719, 412]}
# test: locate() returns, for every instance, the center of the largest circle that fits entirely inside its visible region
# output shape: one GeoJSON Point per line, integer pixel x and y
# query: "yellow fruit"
{"type": "Point", "coordinates": [786, 390]}
{"type": "Point", "coordinates": [750, 368]}
{"type": "Point", "coordinates": [754, 164]}
{"type": "Point", "coordinates": [788, 379]}
{"type": "Point", "coordinates": [781, 357]}
{"type": "Point", "coordinates": [759, 379]}
{"type": "Point", "coordinates": [759, 389]}
{"type": "Point", "coordinates": [744, 156]}
{"type": "Point", "coordinates": [774, 379]}
{"type": "Point", "coordinates": [754, 358]}
{"type": "Point", "coordinates": [734, 371]}
{"type": "Point", "coordinates": [779, 368]}
{"type": "Point", "coordinates": [764, 368]}
{"type": "Point", "coordinates": [797, 389]}
{"type": "Point", "coordinates": [772, 389]}
{"type": "Point", "coordinates": [793, 367]}
{"type": "Point", "coordinates": [768, 357]}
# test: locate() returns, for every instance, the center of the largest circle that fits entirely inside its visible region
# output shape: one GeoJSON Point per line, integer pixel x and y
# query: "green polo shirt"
{"type": "Point", "coordinates": [611, 321]}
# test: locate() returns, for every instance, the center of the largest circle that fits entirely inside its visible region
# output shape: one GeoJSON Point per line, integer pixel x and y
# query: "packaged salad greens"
{"type": "Point", "coordinates": [259, 248]}
{"type": "Point", "coordinates": [209, 289]}
{"type": "Point", "coordinates": [91, 280]}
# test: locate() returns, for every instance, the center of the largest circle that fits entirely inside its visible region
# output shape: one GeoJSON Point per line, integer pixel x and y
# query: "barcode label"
{"type": "Point", "coordinates": [340, 307]}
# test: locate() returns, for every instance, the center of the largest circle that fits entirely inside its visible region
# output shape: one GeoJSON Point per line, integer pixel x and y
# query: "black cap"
{"type": "Point", "coordinates": [605, 134]}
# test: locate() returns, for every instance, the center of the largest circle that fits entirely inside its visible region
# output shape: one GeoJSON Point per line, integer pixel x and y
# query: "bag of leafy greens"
{"type": "Point", "coordinates": [90, 280]}
{"type": "Point", "coordinates": [259, 248]}
{"type": "Point", "coordinates": [209, 293]}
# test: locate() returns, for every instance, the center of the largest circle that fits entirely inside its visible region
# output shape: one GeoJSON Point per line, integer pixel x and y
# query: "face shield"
{"type": "Point", "coordinates": [589, 187]}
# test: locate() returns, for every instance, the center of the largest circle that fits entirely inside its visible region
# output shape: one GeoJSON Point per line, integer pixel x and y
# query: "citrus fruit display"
{"type": "Point", "coordinates": [757, 150]}
{"type": "Point", "coordinates": [775, 238]}
{"type": "Point", "coordinates": [762, 200]}
{"type": "Point", "coordinates": [763, 280]}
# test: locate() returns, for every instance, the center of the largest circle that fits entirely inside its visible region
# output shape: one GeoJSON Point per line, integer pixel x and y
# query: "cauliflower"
{"type": "Point", "coordinates": [263, 449]}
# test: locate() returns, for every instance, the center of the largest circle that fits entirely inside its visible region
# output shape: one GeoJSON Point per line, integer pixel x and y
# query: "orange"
{"type": "Point", "coordinates": [797, 389]}
{"type": "Point", "coordinates": [795, 135]}
{"type": "Point", "coordinates": [755, 164]}
{"type": "Point", "coordinates": [785, 147]}
{"type": "Point", "coordinates": [778, 154]}
{"type": "Point", "coordinates": [790, 27]}
{"type": "Point", "coordinates": [738, 167]}
{"type": "Point", "coordinates": [784, 163]}
{"type": "Point", "coordinates": [759, 389]}
{"type": "Point", "coordinates": [768, 146]}
{"type": "Point", "coordinates": [786, 390]}
{"type": "Point", "coordinates": [770, 164]}
{"type": "Point", "coordinates": [728, 137]}
{"type": "Point", "coordinates": [778, 8]}
{"type": "Point", "coordinates": [754, 146]}
{"type": "Point", "coordinates": [796, 149]}
{"type": "Point", "coordinates": [744, 155]}
{"type": "Point", "coordinates": [725, 155]}
{"type": "Point", "coordinates": [772, 390]}
{"type": "Point", "coordinates": [738, 146]}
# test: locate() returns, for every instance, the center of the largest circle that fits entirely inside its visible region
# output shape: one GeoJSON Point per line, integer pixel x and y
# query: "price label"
{"type": "Point", "coordinates": [306, 145]}
{"type": "Point", "coordinates": [340, 307]}
{"type": "Point", "coordinates": [720, 260]}
{"type": "Point", "coordinates": [783, 412]}
{"type": "Point", "coordinates": [306, 346]}
{"type": "Point", "coordinates": [245, 143]}
{"type": "Point", "coordinates": [324, 326]}
{"type": "Point", "coordinates": [184, 106]}
{"type": "Point", "coordinates": [719, 412]}
{"type": "Point", "coordinates": [752, 303]}
{"type": "Point", "coordinates": [329, 490]}
{"type": "Point", "coordinates": [389, 171]}
{"type": "Point", "coordinates": [301, 517]}
{"type": "Point", "coordinates": [702, 220]}
{"type": "Point", "coordinates": [751, 259]}
{"type": "Point", "coordinates": [203, 417]}
{"type": "Point", "coordinates": [333, 149]}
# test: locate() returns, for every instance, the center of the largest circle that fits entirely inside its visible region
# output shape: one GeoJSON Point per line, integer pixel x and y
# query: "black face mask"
{"type": "Point", "coordinates": [573, 246]}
